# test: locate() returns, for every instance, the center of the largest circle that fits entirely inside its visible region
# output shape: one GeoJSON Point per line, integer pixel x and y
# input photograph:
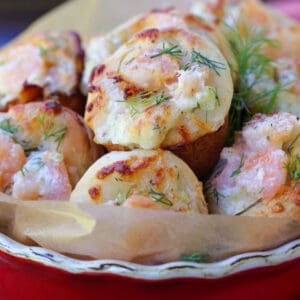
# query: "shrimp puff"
{"type": "Point", "coordinates": [153, 179]}
{"type": "Point", "coordinates": [101, 47]}
{"type": "Point", "coordinates": [45, 149]}
{"type": "Point", "coordinates": [41, 66]}
{"type": "Point", "coordinates": [275, 39]}
{"type": "Point", "coordinates": [284, 51]}
{"type": "Point", "coordinates": [259, 175]}
{"type": "Point", "coordinates": [162, 89]}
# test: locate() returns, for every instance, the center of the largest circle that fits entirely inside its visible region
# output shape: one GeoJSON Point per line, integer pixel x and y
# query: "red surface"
{"type": "Point", "coordinates": [22, 279]}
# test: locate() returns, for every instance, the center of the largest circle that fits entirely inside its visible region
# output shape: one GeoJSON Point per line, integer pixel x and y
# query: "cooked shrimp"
{"type": "Point", "coordinates": [50, 126]}
{"type": "Point", "coordinates": [259, 170]}
{"type": "Point", "coordinates": [138, 201]}
{"type": "Point", "coordinates": [147, 72]}
{"type": "Point", "coordinates": [12, 159]}
{"type": "Point", "coordinates": [45, 148]}
{"type": "Point", "coordinates": [41, 66]}
{"type": "Point", "coordinates": [43, 177]}
{"type": "Point", "coordinates": [101, 47]}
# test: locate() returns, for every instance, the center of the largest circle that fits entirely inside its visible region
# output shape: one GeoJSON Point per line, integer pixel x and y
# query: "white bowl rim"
{"type": "Point", "coordinates": [178, 269]}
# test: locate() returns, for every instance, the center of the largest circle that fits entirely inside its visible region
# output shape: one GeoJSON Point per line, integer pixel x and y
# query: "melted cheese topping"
{"type": "Point", "coordinates": [50, 61]}
{"type": "Point", "coordinates": [140, 178]}
{"type": "Point", "coordinates": [196, 95]}
{"type": "Point", "coordinates": [254, 175]}
{"type": "Point", "coordinates": [48, 126]}
{"type": "Point", "coordinates": [43, 177]}
{"type": "Point", "coordinates": [101, 47]}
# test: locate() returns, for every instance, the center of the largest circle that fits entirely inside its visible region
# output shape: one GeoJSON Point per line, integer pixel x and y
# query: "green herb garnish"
{"type": "Point", "coordinates": [215, 194]}
{"type": "Point", "coordinates": [293, 167]}
{"type": "Point", "coordinates": [252, 68]}
{"type": "Point", "coordinates": [52, 130]}
{"type": "Point", "coordinates": [214, 65]}
{"type": "Point", "coordinates": [238, 170]}
{"type": "Point", "coordinates": [143, 99]}
{"type": "Point", "coordinates": [174, 50]}
{"type": "Point", "coordinates": [292, 144]}
{"type": "Point", "coordinates": [185, 67]}
{"type": "Point", "coordinates": [23, 171]}
{"type": "Point", "coordinates": [194, 257]}
{"type": "Point", "coordinates": [160, 197]}
{"type": "Point", "coordinates": [38, 162]}
{"type": "Point", "coordinates": [118, 179]}
{"type": "Point", "coordinates": [7, 126]}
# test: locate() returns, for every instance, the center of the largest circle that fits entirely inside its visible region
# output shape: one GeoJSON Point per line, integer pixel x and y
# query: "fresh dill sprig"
{"type": "Point", "coordinates": [7, 126]}
{"type": "Point", "coordinates": [23, 171]}
{"type": "Point", "coordinates": [118, 179]}
{"type": "Point", "coordinates": [293, 167]}
{"type": "Point", "coordinates": [214, 65]}
{"type": "Point", "coordinates": [292, 144]}
{"type": "Point", "coordinates": [160, 197]}
{"type": "Point", "coordinates": [194, 257]}
{"type": "Point", "coordinates": [173, 50]}
{"type": "Point", "coordinates": [51, 129]}
{"type": "Point", "coordinates": [215, 194]}
{"type": "Point", "coordinates": [143, 99]}
{"type": "Point", "coordinates": [38, 162]}
{"type": "Point", "coordinates": [251, 69]}
{"type": "Point", "coordinates": [238, 170]}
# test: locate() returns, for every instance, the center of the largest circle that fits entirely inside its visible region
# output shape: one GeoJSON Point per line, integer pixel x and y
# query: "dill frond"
{"type": "Point", "coordinates": [143, 99]}
{"type": "Point", "coordinates": [203, 60]}
{"type": "Point", "coordinates": [160, 197]}
{"type": "Point", "coordinates": [251, 70]}
{"type": "Point", "coordinates": [173, 50]}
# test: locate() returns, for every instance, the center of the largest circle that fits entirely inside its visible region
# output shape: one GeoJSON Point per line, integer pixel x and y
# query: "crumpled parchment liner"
{"type": "Point", "coordinates": [137, 235]}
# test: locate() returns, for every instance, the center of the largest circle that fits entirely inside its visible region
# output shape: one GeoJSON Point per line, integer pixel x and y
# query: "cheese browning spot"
{"type": "Point", "coordinates": [277, 208]}
{"type": "Point", "coordinates": [95, 193]}
{"type": "Point", "coordinates": [125, 167]}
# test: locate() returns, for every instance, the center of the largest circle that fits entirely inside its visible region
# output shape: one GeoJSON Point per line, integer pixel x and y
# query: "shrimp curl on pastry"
{"type": "Point", "coordinates": [259, 175]}
{"type": "Point", "coordinates": [162, 89]}
{"type": "Point", "coordinates": [42, 66]}
{"type": "Point", "coordinates": [45, 148]}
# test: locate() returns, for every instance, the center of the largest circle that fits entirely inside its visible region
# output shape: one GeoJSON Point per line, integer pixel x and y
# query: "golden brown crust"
{"type": "Point", "coordinates": [34, 120]}
{"type": "Point", "coordinates": [203, 154]}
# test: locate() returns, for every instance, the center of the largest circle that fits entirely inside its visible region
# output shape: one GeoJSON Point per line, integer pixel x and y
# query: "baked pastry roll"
{"type": "Point", "coordinates": [101, 47]}
{"type": "Point", "coordinates": [42, 66]}
{"type": "Point", "coordinates": [279, 40]}
{"type": "Point", "coordinates": [153, 179]}
{"type": "Point", "coordinates": [162, 89]}
{"type": "Point", "coordinates": [259, 175]}
{"type": "Point", "coordinates": [45, 149]}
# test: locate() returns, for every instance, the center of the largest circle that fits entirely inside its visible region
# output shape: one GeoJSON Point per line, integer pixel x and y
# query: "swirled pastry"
{"type": "Point", "coordinates": [101, 47]}
{"type": "Point", "coordinates": [153, 179]}
{"type": "Point", "coordinates": [45, 149]}
{"type": "Point", "coordinates": [273, 43]}
{"type": "Point", "coordinates": [161, 89]}
{"type": "Point", "coordinates": [259, 175]}
{"type": "Point", "coordinates": [41, 66]}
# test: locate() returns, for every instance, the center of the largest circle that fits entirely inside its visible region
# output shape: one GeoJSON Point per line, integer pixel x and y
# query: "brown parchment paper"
{"type": "Point", "coordinates": [139, 235]}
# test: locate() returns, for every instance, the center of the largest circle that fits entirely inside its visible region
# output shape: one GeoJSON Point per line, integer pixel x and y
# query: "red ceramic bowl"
{"type": "Point", "coordinates": [30, 273]}
{"type": "Point", "coordinates": [36, 273]}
